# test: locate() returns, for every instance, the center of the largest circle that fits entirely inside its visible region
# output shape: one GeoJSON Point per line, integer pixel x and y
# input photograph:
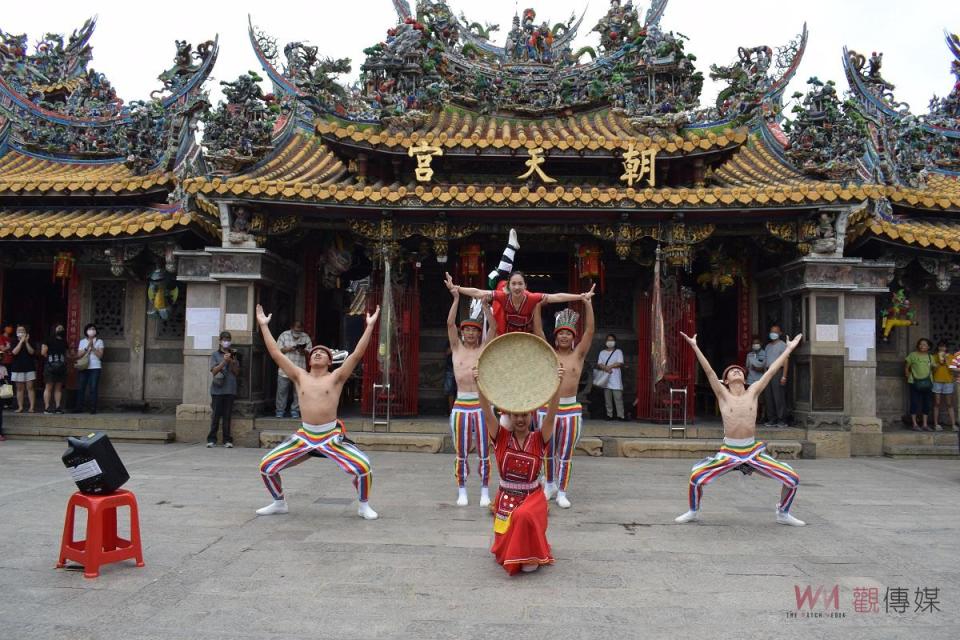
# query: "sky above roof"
{"type": "Point", "coordinates": [134, 42]}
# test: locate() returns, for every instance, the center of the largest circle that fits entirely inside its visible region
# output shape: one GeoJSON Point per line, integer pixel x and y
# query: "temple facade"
{"type": "Point", "coordinates": [828, 214]}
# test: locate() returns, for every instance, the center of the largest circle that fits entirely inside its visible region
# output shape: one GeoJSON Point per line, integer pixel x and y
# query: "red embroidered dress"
{"type": "Point", "coordinates": [520, 526]}
{"type": "Point", "coordinates": [510, 317]}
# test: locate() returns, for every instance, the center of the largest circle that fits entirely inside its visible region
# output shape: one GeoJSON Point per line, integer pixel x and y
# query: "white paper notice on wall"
{"type": "Point", "coordinates": [858, 336]}
{"type": "Point", "coordinates": [203, 325]}
{"type": "Point", "coordinates": [828, 333]}
{"type": "Point", "coordinates": [235, 322]}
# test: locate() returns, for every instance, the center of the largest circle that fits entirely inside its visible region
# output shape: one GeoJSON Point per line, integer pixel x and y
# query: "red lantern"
{"type": "Point", "coordinates": [63, 264]}
{"type": "Point", "coordinates": [471, 260]}
{"type": "Point", "coordinates": [589, 256]}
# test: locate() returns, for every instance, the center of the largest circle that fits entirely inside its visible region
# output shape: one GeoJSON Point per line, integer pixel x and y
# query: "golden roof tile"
{"type": "Point", "coordinates": [25, 174]}
{"type": "Point", "coordinates": [93, 223]}
{"type": "Point", "coordinates": [942, 235]}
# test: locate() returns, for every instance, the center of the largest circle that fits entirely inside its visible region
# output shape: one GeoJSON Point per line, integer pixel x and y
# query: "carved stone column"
{"type": "Point", "coordinates": [832, 375]}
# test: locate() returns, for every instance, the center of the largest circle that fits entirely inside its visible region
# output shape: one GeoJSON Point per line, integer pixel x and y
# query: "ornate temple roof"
{"type": "Point", "coordinates": [93, 223]}
{"type": "Point", "coordinates": [25, 174]}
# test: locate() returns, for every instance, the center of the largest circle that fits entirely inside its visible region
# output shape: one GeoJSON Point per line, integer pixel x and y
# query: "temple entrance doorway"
{"type": "Point", "coordinates": [30, 298]}
{"type": "Point", "coordinates": [717, 332]}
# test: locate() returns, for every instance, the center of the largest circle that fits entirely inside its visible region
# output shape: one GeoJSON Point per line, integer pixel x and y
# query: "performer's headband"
{"type": "Point", "coordinates": [570, 329]}
{"type": "Point", "coordinates": [321, 348]}
{"type": "Point", "coordinates": [723, 378]}
{"type": "Point", "coordinates": [471, 323]}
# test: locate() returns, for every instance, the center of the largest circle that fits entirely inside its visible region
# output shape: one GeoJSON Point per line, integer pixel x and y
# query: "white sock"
{"type": "Point", "coordinates": [484, 497]}
{"type": "Point", "coordinates": [462, 500]}
{"type": "Point", "coordinates": [562, 500]}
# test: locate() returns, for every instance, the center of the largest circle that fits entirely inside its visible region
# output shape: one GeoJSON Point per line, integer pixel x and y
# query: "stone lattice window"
{"type": "Point", "coordinates": [108, 306]}
{"type": "Point", "coordinates": [945, 320]}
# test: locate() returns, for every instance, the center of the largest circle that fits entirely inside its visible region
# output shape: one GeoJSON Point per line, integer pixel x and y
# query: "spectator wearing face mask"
{"type": "Point", "coordinates": [7, 343]}
{"type": "Point", "coordinates": [756, 361]}
{"type": "Point", "coordinates": [224, 367]}
{"type": "Point", "coordinates": [775, 395]}
{"type": "Point", "coordinates": [23, 371]}
{"type": "Point", "coordinates": [608, 376]}
{"type": "Point", "coordinates": [89, 379]}
{"type": "Point", "coordinates": [295, 344]}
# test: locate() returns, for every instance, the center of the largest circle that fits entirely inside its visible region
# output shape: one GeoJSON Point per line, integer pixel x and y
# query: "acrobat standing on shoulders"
{"type": "Point", "coordinates": [569, 415]}
{"type": "Point", "coordinates": [740, 449]}
{"type": "Point", "coordinates": [467, 420]}
{"type": "Point", "coordinates": [321, 433]}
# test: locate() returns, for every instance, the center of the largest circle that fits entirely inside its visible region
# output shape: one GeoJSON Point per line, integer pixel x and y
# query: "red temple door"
{"type": "Point", "coordinates": [679, 314]}
{"type": "Point", "coordinates": [405, 356]}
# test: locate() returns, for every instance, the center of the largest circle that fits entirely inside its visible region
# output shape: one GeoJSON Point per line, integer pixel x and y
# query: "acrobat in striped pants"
{"type": "Point", "coordinates": [324, 440]}
{"type": "Point", "coordinates": [734, 453]}
{"type": "Point", "coordinates": [466, 423]}
{"type": "Point", "coordinates": [558, 460]}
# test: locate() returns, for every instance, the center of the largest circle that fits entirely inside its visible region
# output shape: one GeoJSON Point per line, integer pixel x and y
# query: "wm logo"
{"type": "Point", "coordinates": [810, 597]}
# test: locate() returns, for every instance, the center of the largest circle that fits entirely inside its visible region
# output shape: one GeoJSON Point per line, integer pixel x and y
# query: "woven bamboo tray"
{"type": "Point", "coordinates": [518, 372]}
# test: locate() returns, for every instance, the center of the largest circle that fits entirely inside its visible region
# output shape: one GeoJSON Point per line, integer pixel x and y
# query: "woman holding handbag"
{"type": "Point", "coordinates": [89, 364]}
{"type": "Point", "coordinates": [608, 375]}
{"type": "Point", "coordinates": [918, 369]}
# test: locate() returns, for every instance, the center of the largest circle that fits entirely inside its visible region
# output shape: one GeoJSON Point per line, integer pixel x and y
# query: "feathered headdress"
{"type": "Point", "coordinates": [566, 319]}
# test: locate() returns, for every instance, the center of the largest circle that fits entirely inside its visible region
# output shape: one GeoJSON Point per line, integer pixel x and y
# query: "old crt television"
{"type": "Point", "coordinates": [94, 464]}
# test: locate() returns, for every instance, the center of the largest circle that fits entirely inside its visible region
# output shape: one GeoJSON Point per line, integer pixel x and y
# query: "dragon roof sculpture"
{"type": "Point", "coordinates": [60, 107]}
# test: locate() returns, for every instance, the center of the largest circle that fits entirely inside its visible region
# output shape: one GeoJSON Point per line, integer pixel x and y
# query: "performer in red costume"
{"type": "Point", "coordinates": [513, 306]}
{"type": "Point", "coordinates": [520, 523]}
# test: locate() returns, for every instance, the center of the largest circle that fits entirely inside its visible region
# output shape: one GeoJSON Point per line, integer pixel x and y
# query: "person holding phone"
{"type": "Point", "coordinates": [295, 344]}
{"type": "Point", "coordinates": [225, 368]}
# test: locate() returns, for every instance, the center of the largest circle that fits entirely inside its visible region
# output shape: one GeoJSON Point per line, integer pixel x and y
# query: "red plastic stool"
{"type": "Point", "coordinates": [102, 545]}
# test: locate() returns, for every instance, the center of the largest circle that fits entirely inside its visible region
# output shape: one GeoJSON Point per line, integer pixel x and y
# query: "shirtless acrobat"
{"type": "Point", "coordinates": [740, 449]}
{"type": "Point", "coordinates": [321, 434]}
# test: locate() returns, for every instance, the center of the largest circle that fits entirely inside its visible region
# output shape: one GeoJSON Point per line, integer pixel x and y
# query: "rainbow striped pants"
{"type": "Point", "coordinates": [324, 440]}
{"type": "Point", "coordinates": [466, 423]}
{"type": "Point", "coordinates": [732, 455]}
{"type": "Point", "coordinates": [558, 459]}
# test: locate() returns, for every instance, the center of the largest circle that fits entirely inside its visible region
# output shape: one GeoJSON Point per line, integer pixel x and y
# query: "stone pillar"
{"type": "Point", "coordinates": [225, 286]}
{"type": "Point", "coordinates": [832, 301]}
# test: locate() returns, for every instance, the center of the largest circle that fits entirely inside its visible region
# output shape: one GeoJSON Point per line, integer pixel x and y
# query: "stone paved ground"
{"type": "Point", "coordinates": [624, 570]}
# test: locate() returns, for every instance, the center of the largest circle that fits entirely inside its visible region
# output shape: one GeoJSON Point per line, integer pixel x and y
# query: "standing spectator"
{"type": "Point", "coordinates": [756, 362]}
{"type": "Point", "coordinates": [943, 388]}
{"type": "Point", "coordinates": [919, 372]}
{"type": "Point", "coordinates": [90, 347]}
{"type": "Point", "coordinates": [6, 351]}
{"type": "Point", "coordinates": [775, 394]}
{"type": "Point", "coordinates": [54, 353]}
{"type": "Point", "coordinates": [610, 361]}
{"type": "Point", "coordinates": [24, 368]}
{"type": "Point", "coordinates": [225, 367]}
{"type": "Point", "coordinates": [295, 344]}
{"type": "Point", "coordinates": [3, 380]}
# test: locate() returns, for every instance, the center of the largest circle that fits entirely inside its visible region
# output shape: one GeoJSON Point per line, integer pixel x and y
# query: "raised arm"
{"type": "Point", "coordinates": [453, 335]}
{"type": "Point", "coordinates": [492, 328]}
{"type": "Point", "coordinates": [712, 378]}
{"type": "Point", "coordinates": [772, 369]}
{"type": "Point", "coordinates": [467, 291]}
{"type": "Point", "coordinates": [549, 420]}
{"type": "Point", "coordinates": [354, 358]}
{"type": "Point", "coordinates": [493, 424]}
{"type": "Point", "coordinates": [589, 325]}
{"type": "Point", "coordinates": [293, 371]}
{"type": "Point", "coordinates": [552, 298]}
{"type": "Point", "coordinates": [538, 320]}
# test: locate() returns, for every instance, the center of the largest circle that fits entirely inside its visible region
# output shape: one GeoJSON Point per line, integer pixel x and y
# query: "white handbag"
{"type": "Point", "coordinates": [6, 391]}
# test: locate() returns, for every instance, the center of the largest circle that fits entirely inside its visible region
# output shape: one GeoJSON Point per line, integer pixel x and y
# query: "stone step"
{"type": "Point", "coordinates": [930, 438]}
{"type": "Point", "coordinates": [917, 451]}
{"type": "Point", "coordinates": [44, 432]}
{"type": "Point", "coordinates": [88, 422]}
{"type": "Point", "coordinates": [694, 448]}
